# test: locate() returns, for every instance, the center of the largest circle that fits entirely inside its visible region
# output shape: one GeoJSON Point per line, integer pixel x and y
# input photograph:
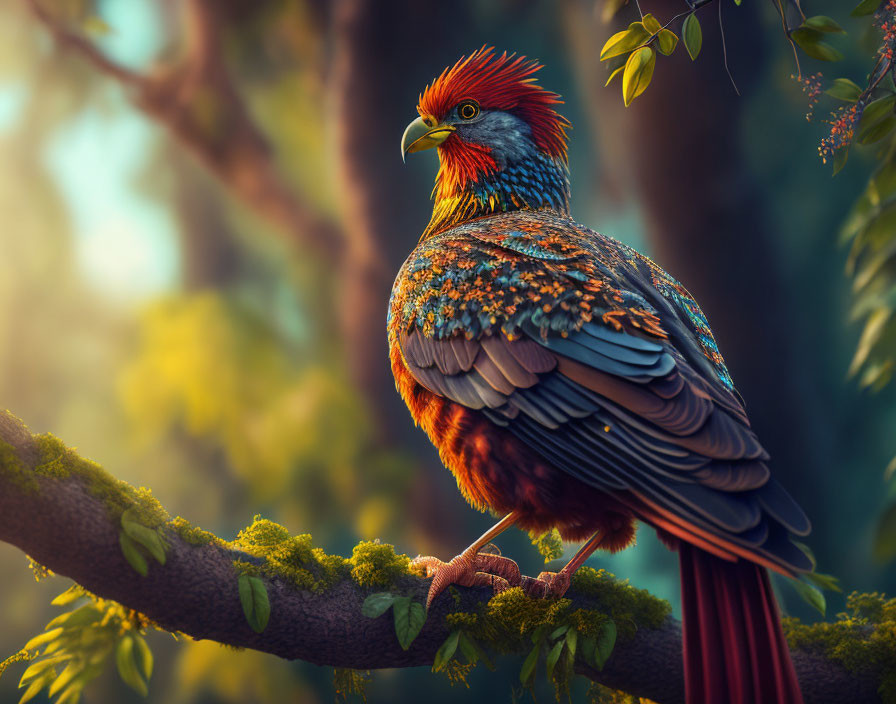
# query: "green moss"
{"type": "Point", "coordinates": [549, 544]}
{"type": "Point", "coordinates": [629, 607]}
{"type": "Point", "coordinates": [56, 461]}
{"type": "Point", "coordinates": [863, 639]}
{"type": "Point", "coordinates": [508, 621]}
{"type": "Point", "coordinates": [376, 564]}
{"type": "Point", "coordinates": [190, 533]}
{"type": "Point", "coordinates": [262, 533]}
{"type": "Point", "coordinates": [14, 469]}
{"type": "Point", "coordinates": [294, 559]}
{"type": "Point", "coordinates": [54, 456]}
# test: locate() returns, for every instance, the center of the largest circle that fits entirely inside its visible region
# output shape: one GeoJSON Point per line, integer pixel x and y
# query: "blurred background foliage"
{"type": "Point", "coordinates": [194, 278]}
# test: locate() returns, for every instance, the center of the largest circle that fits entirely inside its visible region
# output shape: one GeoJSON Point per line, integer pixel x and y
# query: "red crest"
{"type": "Point", "coordinates": [502, 82]}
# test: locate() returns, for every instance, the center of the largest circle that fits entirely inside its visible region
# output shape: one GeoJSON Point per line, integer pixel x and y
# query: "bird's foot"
{"type": "Point", "coordinates": [469, 570]}
{"type": "Point", "coordinates": [547, 584]}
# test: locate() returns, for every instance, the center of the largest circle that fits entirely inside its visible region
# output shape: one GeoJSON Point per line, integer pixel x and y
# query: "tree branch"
{"type": "Point", "coordinates": [197, 101]}
{"type": "Point", "coordinates": [61, 522]}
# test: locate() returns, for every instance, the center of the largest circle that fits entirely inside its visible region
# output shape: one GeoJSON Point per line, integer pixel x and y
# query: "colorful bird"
{"type": "Point", "coordinates": [568, 381]}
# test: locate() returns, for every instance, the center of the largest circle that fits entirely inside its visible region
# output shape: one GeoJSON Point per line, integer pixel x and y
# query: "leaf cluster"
{"type": "Point", "coordinates": [75, 647]}
{"type": "Point", "coordinates": [409, 615]}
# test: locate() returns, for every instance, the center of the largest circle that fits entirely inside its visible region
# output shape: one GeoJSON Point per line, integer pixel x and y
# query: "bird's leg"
{"type": "Point", "coordinates": [556, 583]}
{"type": "Point", "coordinates": [472, 569]}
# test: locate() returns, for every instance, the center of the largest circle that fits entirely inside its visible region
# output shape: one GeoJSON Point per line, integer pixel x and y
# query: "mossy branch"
{"type": "Point", "coordinates": [66, 513]}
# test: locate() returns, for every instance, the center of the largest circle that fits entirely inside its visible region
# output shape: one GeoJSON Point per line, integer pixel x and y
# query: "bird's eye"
{"type": "Point", "coordinates": [468, 109]}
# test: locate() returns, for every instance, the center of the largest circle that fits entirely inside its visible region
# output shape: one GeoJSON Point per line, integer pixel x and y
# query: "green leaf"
{"type": "Point", "coordinates": [866, 7]}
{"type": "Point", "coordinates": [811, 595]}
{"type": "Point", "coordinates": [637, 74]}
{"type": "Point", "coordinates": [888, 475]}
{"type": "Point", "coordinates": [553, 657]}
{"type": "Point", "coordinates": [81, 616]}
{"type": "Point", "coordinates": [42, 639]}
{"type": "Point", "coordinates": [127, 666]}
{"type": "Point", "coordinates": [823, 581]}
{"type": "Point", "coordinates": [147, 537]}
{"type": "Point", "coordinates": [256, 605]}
{"type": "Point", "coordinates": [587, 646]}
{"type": "Point", "coordinates": [823, 23]}
{"type": "Point", "coordinates": [651, 23]}
{"type": "Point", "coordinates": [738, 2]}
{"type": "Point", "coordinates": [877, 131]}
{"type": "Point", "coordinates": [529, 664]}
{"type": "Point", "coordinates": [36, 686]}
{"type": "Point", "coordinates": [446, 652]}
{"type": "Point", "coordinates": [377, 604]}
{"type": "Point", "coordinates": [809, 40]}
{"type": "Point", "coordinates": [693, 35]}
{"type": "Point", "coordinates": [840, 158]}
{"type": "Point", "coordinates": [625, 41]}
{"type": "Point", "coordinates": [40, 668]}
{"type": "Point", "coordinates": [143, 655]}
{"type": "Point", "coordinates": [844, 89]}
{"type": "Point", "coordinates": [613, 75]}
{"type": "Point", "coordinates": [807, 551]}
{"type": "Point", "coordinates": [409, 619]}
{"type": "Point", "coordinates": [472, 652]}
{"type": "Point", "coordinates": [878, 109]}
{"type": "Point", "coordinates": [70, 595]}
{"type": "Point", "coordinates": [559, 631]}
{"type": "Point", "coordinates": [572, 639]}
{"type": "Point", "coordinates": [132, 554]}
{"type": "Point", "coordinates": [606, 641]}
{"type": "Point", "coordinates": [67, 675]}
{"type": "Point", "coordinates": [666, 42]}
{"type": "Point", "coordinates": [874, 328]}
{"type": "Point", "coordinates": [884, 546]}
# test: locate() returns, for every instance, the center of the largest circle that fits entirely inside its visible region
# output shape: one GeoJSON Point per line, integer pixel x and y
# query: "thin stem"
{"type": "Point", "coordinates": [725, 51]}
{"type": "Point", "coordinates": [782, 12]}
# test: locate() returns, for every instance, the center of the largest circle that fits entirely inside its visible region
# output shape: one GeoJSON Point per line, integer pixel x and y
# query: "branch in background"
{"type": "Point", "coordinates": [61, 518]}
{"type": "Point", "coordinates": [195, 98]}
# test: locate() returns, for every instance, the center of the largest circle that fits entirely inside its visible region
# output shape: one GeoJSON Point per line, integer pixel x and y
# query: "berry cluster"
{"type": "Point", "coordinates": [811, 86]}
{"type": "Point", "coordinates": [885, 18]}
{"type": "Point", "coordinates": [843, 127]}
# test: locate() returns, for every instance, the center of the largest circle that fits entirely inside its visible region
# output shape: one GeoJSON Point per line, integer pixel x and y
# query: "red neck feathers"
{"type": "Point", "coordinates": [504, 83]}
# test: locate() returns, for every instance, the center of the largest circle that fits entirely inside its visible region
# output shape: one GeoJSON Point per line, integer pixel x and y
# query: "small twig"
{"type": "Point", "coordinates": [87, 50]}
{"type": "Point", "coordinates": [782, 12]}
{"type": "Point", "coordinates": [725, 52]}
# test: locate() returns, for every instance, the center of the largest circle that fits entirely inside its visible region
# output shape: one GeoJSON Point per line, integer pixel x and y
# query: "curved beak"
{"type": "Point", "coordinates": [423, 133]}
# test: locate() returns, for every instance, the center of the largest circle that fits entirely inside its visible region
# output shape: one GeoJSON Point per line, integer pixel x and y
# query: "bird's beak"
{"type": "Point", "coordinates": [424, 133]}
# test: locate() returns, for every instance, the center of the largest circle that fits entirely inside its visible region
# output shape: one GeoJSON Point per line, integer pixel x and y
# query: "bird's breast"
{"type": "Point", "coordinates": [496, 472]}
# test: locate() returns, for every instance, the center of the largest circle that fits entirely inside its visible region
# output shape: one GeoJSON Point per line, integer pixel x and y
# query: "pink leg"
{"type": "Point", "coordinates": [470, 568]}
{"type": "Point", "coordinates": [556, 583]}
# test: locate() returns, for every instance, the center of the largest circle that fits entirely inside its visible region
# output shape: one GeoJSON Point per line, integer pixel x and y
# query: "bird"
{"type": "Point", "coordinates": [570, 382]}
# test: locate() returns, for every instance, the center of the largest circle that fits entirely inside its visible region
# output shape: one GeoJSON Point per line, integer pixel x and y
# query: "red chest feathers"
{"type": "Point", "coordinates": [495, 471]}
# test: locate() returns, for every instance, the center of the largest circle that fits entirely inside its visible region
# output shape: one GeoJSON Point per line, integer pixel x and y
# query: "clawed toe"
{"type": "Point", "coordinates": [546, 584]}
{"type": "Point", "coordinates": [469, 570]}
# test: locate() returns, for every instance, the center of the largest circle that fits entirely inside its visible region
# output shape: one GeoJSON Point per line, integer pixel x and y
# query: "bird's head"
{"type": "Point", "coordinates": [496, 131]}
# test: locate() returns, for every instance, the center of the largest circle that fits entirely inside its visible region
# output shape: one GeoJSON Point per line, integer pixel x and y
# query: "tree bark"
{"type": "Point", "coordinates": [60, 524]}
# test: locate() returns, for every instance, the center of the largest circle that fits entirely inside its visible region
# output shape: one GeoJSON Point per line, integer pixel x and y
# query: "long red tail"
{"type": "Point", "coordinates": [734, 649]}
